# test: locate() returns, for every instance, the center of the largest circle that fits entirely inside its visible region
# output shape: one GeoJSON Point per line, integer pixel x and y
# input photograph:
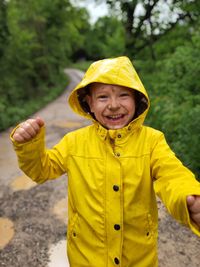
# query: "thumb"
{"type": "Point", "coordinates": [40, 121]}
{"type": "Point", "coordinates": [190, 201]}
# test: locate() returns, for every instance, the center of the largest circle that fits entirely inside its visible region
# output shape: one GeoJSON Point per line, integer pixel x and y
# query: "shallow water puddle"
{"type": "Point", "coordinates": [58, 255]}
{"type": "Point", "coordinates": [60, 210]}
{"type": "Point", "coordinates": [68, 124]}
{"type": "Point", "coordinates": [6, 231]}
{"type": "Point", "coordinates": [22, 183]}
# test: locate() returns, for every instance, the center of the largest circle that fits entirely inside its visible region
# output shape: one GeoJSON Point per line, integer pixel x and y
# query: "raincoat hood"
{"type": "Point", "coordinates": [116, 71]}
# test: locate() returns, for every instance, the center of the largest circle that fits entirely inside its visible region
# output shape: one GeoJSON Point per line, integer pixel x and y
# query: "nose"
{"type": "Point", "coordinates": [113, 104]}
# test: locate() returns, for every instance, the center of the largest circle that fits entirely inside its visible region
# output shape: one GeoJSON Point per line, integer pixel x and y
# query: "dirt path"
{"type": "Point", "coordinates": [33, 217]}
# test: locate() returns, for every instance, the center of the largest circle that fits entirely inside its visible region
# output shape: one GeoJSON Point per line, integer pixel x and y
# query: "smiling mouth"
{"type": "Point", "coordinates": [115, 117]}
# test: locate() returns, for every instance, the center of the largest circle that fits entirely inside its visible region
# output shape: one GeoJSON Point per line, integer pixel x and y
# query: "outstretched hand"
{"type": "Point", "coordinates": [193, 204]}
{"type": "Point", "coordinates": [27, 130]}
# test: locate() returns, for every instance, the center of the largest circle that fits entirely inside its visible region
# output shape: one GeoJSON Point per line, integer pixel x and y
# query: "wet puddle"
{"type": "Point", "coordinates": [6, 231]}
{"type": "Point", "coordinates": [22, 183]}
{"type": "Point", "coordinates": [67, 124]}
{"type": "Point", "coordinates": [58, 255]}
{"type": "Point", "coordinates": [60, 210]}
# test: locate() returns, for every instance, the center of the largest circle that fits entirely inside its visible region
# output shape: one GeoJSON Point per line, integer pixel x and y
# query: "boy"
{"type": "Point", "coordinates": [115, 166]}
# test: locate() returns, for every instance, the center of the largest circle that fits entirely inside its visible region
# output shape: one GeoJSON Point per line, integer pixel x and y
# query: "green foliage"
{"type": "Point", "coordinates": [147, 22]}
{"type": "Point", "coordinates": [175, 98]}
{"type": "Point", "coordinates": [37, 40]}
{"type": "Point", "coordinates": [4, 32]}
{"type": "Point", "coordinates": [106, 39]}
{"type": "Point", "coordinates": [81, 65]}
{"type": "Point", "coordinates": [21, 109]}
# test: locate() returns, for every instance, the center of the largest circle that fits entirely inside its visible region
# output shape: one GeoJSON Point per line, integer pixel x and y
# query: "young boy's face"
{"type": "Point", "coordinates": [112, 105]}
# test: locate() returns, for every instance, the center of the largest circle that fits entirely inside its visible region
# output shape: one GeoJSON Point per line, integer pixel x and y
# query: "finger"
{"type": "Point", "coordinates": [18, 138]}
{"type": "Point", "coordinates": [21, 135]}
{"type": "Point", "coordinates": [190, 200]}
{"type": "Point", "coordinates": [34, 124]}
{"type": "Point", "coordinates": [194, 204]}
{"type": "Point", "coordinates": [30, 128]}
{"type": "Point", "coordinates": [196, 218]}
{"type": "Point", "coordinates": [24, 133]}
{"type": "Point", "coordinates": [40, 121]}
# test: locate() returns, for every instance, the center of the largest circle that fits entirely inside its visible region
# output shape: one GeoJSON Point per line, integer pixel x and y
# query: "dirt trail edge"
{"type": "Point", "coordinates": [33, 217]}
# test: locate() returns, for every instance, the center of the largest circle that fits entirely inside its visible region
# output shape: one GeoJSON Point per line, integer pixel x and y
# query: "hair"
{"type": "Point", "coordinates": [81, 94]}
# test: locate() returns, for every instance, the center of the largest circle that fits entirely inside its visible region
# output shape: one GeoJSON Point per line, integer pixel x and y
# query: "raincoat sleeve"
{"type": "Point", "coordinates": [173, 182]}
{"type": "Point", "coordinates": [37, 162]}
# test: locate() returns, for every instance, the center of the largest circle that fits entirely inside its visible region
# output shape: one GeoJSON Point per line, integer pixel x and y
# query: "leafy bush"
{"type": "Point", "coordinates": [20, 109]}
{"type": "Point", "coordinates": [175, 97]}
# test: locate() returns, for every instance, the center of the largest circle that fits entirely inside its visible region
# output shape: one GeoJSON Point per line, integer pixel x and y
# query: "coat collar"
{"type": "Point", "coordinates": [118, 135]}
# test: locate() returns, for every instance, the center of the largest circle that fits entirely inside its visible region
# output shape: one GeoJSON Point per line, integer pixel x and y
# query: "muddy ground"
{"type": "Point", "coordinates": [34, 217]}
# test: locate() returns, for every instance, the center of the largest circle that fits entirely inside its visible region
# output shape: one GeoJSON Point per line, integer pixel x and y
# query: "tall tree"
{"type": "Point", "coordinates": [44, 34]}
{"type": "Point", "coordinates": [4, 31]}
{"type": "Point", "coordinates": [106, 38]}
{"type": "Point", "coordinates": [147, 21]}
{"type": "Point", "coordinates": [37, 40]}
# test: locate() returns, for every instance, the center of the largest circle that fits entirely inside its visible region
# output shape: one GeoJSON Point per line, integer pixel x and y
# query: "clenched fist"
{"type": "Point", "coordinates": [28, 130]}
{"type": "Point", "coordinates": [193, 203]}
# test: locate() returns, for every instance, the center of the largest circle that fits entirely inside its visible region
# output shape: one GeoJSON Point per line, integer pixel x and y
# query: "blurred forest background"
{"type": "Point", "coordinates": [39, 38]}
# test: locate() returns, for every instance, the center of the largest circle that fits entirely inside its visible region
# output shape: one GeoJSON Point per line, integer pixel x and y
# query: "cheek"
{"type": "Point", "coordinates": [130, 106]}
{"type": "Point", "coordinates": [98, 107]}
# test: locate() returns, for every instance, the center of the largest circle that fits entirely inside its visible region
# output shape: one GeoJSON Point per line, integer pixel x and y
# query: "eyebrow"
{"type": "Point", "coordinates": [90, 88]}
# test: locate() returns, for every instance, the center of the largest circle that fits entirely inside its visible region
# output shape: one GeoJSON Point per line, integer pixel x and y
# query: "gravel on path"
{"type": "Point", "coordinates": [33, 217]}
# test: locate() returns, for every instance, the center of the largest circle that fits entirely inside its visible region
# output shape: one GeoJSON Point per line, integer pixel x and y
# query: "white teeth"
{"type": "Point", "coordinates": [115, 116]}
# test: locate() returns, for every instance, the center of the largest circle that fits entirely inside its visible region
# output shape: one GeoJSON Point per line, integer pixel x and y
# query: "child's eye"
{"type": "Point", "coordinates": [102, 97]}
{"type": "Point", "coordinates": [124, 94]}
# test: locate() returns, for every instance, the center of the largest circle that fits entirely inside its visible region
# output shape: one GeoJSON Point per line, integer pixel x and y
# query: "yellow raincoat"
{"type": "Point", "coordinates": [112, 178]}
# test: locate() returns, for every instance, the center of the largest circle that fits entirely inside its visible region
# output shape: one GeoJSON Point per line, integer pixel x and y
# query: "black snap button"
{"type": "Point", "coordinates": [117, 154]}
{"type": "Point", "coordinates": [116, 188]}
{"type": "Point", "coordinates": [119, 136]}
{"type": "Point", "coordinates": [117, 227]}
{"type": "Point", "coordinates": [116, 260]}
